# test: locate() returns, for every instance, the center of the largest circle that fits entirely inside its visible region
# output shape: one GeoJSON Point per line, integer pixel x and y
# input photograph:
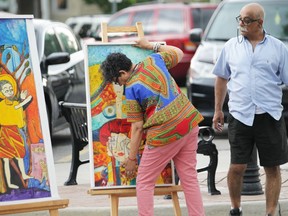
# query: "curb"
{"type": "Point", "coordinates": [255, 208]}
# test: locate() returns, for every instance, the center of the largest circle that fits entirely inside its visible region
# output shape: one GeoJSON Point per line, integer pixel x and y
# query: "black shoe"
{"type": "Point", "coordinates": [235, 212]}
{"type": "Point", "coordinates": [168, 197]}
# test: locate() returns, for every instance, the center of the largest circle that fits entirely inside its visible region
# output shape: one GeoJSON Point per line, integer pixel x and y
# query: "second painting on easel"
{"type": "Point", "coordinates": [109, 131]}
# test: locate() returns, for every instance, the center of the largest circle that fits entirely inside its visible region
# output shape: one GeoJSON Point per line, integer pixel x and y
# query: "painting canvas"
{"type": "Point", "coordinates": [26, 160]}
{"type": "Point", "coordinates": [109, 131]}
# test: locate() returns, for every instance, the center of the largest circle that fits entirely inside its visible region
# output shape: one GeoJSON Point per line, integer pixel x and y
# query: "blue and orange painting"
{"type": "Point", "coordinates": [23, 164]}
{"type": "Point", "coordinates": [111, 133]}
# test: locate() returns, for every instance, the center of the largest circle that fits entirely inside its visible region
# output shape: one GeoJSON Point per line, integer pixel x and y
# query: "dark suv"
{"type": "Point", "coordinates": [170, 23]}
{"type": "Point", "coordinates": [222, 27]}
{"type": "Point", "coordinates": [62, 67]}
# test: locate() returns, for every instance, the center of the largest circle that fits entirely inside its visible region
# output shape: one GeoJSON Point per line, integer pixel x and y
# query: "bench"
{"type": "Point", "coordinates": [76, 116]}
{"type": "Point", "coordinates": [208, 148]}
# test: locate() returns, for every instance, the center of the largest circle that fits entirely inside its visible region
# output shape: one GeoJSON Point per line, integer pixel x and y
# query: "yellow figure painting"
{"type": "Point", "coordinates": [12, 125]}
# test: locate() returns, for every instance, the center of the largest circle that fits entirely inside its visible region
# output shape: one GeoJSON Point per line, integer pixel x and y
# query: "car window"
{"type": "Point", "coordinates": [67, 39]}
{"type": "Point", "coordinates": [72, 25]}
{"type": "Point", "coordinates": [201, 17]}
{"type": "Point", "coordinates": [84, 29]}
{"type": "Point", "coordinates": [121, 20]}
{"type": "Point", "coordinates": [276, 20]}
{"type": "Point", "coordinates": [170, 21]}
{"type": "Point", "coordinates": [51, 42]}
{"type": "Point", "coordinates": [146, 17]}
{"type": "Point", "coordinates": [224, 25]}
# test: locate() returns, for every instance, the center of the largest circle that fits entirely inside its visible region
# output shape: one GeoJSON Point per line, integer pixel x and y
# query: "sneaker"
{"type": "Point", "coordinates": [235, 212]}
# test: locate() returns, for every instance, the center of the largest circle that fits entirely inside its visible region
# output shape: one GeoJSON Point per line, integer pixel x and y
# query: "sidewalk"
{"type": "Point", "coordinates": [215, 205]}
{"type": "Point", "coordinates": [83, 204]}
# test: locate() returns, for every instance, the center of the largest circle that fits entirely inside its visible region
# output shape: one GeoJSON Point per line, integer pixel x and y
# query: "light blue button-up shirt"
{"type": "Point", "coordinates": [254, 77]}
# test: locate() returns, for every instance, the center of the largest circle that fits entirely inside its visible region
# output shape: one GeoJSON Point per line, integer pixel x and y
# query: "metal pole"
{"type": "Point", "coordinates": [251, 180]}
{"type": "Point", "coordinates": [114, 7]}
{"type": "Point", "coordinates": [45, 9]}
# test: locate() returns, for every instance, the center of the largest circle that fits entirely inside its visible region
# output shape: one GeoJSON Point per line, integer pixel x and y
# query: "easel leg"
{"type": "Point", "coordinates": [114, 205]}
{"type": "Point", "coordinates": [176, 205]}
{"type": "Point", "coordinates": [54, 212]}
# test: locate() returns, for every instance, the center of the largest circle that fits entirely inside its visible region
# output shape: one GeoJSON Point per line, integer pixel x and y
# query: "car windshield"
{"type": "Point", "coordinates": [224, 26]}
{"type": "Point", "coordinates": [201, 16]}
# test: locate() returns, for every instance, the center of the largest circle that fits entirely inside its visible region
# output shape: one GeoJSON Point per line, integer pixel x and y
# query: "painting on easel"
{"type": "Point", "coordinates": [109, 131]}
{"type": "Point", "coordinates": [26, 160]}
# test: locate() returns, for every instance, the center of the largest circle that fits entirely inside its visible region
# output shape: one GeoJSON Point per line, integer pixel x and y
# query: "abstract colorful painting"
{"type": "Point", "coordinates": [25, 165]}
{"type": "Point", "coordinates": [109, 131]}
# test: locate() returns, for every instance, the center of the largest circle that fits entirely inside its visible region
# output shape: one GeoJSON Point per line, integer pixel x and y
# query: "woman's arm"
{"type": "Point", "coordinates": [145, 44]}
{"type": "Point", "coordinates": [136, 138]}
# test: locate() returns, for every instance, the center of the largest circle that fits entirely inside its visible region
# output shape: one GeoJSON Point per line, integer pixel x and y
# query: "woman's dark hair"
{"type": "Point", "coordinates": [113, 64]}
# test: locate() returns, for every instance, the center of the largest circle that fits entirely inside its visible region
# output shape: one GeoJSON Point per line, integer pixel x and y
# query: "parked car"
{"type": "Point", "coordinates": [222, 27]}
{"type": "Point", "coordinates": [86, 26]}
{"type": "Point", "coordinates": [62, 67]}
{"type": "Point", "coordinates": [168, 23]}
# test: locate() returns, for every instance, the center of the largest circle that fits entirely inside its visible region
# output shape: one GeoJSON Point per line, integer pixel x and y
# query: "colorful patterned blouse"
{"type": "Point", "coordinates": [154, 97]}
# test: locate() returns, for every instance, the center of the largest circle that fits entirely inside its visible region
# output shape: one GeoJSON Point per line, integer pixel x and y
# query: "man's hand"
{"type": "Point", "coordinates": [218, 121]}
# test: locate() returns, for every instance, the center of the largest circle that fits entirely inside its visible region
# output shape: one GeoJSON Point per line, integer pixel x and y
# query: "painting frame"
{"type": "Point", "coordinates": [37, 175]}
{"type": "Point", "coordinates": [108, 130]}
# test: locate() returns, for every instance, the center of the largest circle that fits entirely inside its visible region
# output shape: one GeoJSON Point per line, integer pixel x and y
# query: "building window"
{"type": "Point", "coordinates": [62, 4]}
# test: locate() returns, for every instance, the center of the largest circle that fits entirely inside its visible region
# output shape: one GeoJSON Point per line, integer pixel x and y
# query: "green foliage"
{"type": "Point", "coordinates": [106, 6]}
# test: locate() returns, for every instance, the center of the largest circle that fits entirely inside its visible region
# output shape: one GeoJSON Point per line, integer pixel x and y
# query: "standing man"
{"type": "Point", "coordinates": [156, 106]}
{"type": "Point", "coordinates": [253, 66]}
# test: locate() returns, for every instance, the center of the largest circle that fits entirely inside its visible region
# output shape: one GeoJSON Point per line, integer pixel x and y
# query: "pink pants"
{"type": "Point", "coordinates": [153, 161]}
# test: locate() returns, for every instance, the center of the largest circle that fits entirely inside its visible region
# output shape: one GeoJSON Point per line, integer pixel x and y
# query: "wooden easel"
{"type": "Point", "coordinates": [52, 206]}
{"type": "Point", "coordinates": [130, 192]}
{"type": "Point", "coordinates": [114, 29]}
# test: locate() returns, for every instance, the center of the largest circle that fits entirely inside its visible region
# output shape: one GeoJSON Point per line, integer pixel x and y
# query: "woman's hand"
{"type": "Point", "coordinates": [130, 168]}
{"type": "Point", "coordinates": [144, 44]}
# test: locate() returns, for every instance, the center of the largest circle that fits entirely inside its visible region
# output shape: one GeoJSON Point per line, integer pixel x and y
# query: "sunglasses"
{"type": "Point", "coordinates": [245, 21]}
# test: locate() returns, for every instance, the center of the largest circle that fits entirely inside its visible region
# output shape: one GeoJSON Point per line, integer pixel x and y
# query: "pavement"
{"type": "Point", "coordinates": [83, 204]}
